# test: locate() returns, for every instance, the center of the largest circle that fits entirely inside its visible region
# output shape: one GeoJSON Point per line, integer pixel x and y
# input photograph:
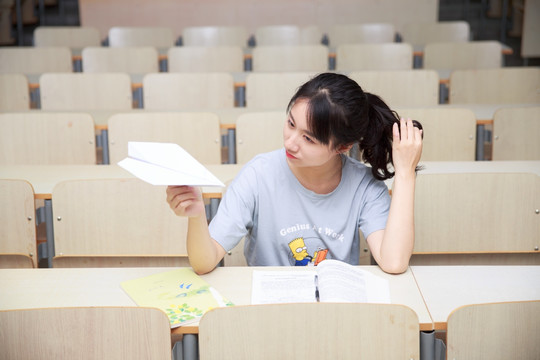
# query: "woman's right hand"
{"type": "Point", "coordinates": [185, 200]}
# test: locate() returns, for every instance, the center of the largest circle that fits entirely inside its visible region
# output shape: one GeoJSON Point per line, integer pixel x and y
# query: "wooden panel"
{"type": "Point", "coordinates": [198, 133]}
{"type": "Point", "coordinates": [493, 86]}
{"type": "Point", "coordinates": [476, 213]}
{"type": "Point", "coordinates": [157, 36]}
{"type": "Point", "coordinates": [32, 60]}
{"type": "Point", "coordinates": [107, 91]}
{"type": "Point", "coordinates": [215, 36]}
{"type": "Point", "coordinates": [74, 37]}
{"type": "Point", "coordinates": [356, 335]}
{"type": "Point", "coordinates": [273, 90]}
{"type": "Point", "coordinates": [17, 224]}
{"type": "Point", "coordinates": [85, 333]}
{"type": "Point", "coordinates": [449, 134]}
{"type": "Point", "coordinates": [115, 217]}
{"type": "Point", "coordinates": [33, 138]}
{"type": "Point", "coordinates": [205, 59]}
{"type": "Point", "coordinates": [408, 88]}
{"type": "Point", "coordinates": [530, 46]}
{"type": "Point", "coordinates": [133, 60]}
{"type": "Point", "coordinates": [507, 330]}
{"type": "Point", "coordinates": [463, 55]}
{"type": "Point", "coordinates": [356, 33]}
{"type": "Point", "coordinates": [515, 134]}
{"type": "Point", "coordinates": [391, 56]}
{"type": "Point", "coordinates": [15, 92]}
{"type": "Point", "coordinates": [103, 261]}
{"type": "Point", "coordinates": [257, 133]}
{"type": "Point", "coordinates": [290, 58]}
{"type": "Point", "coordinates": [188, 91]}
{"type": "Point", "coordinates": [422, 33]}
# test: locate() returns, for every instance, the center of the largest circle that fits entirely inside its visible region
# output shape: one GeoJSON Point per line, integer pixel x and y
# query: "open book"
{"type": "Point", "coordinates": [166, 164]}
{"type": "Point", "coordinates": [330, 281]}
{"type": "Point", "coordinates": [182, 294]}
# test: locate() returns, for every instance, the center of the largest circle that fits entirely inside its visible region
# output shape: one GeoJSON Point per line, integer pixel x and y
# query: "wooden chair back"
{"type": "Point", "coordinates": [206, 59]}
{"type": "Point", "coordinates": [17, 225]}
{"type": "Point", "coordinates": [35, 60]}
{"type": "Point", "coordinates": [113, 221]}
{"type": "Point", "coordinates": [156, 36]}
{"type": "Point", "coordinates": [74, 37]}
{"type": "Point", "coordinates": [188, 91]}
{"type": "Point", "coordinates": [290, 58]}
{"type": "Point", "coordinates": [506, 330]}
{"type": "Point", "coordinates": [361, 33]}
{"type": "Point", "coordinates": [85, 333]}
{"type": "Point", "coordinates": [387, 56]}
{"type": "Point", "coordinates": [15, 92]}
{"type": "Point", "coordinates": [463, 55]}
{"type": "Point", "coordinates": [86, 91]}
{"type": "Point", "coordinates": [258, 132]}
{"type": "Point", "coordinates": [215, 36]}
{"type": "Point", "coordinates": [324, 330]}
{"type": "Point", "coordinates": [515, 133]}
{"type": "Point", "coordinates": [464, 218]}
{"type": "Point", "coordinates": [197, 133]}
{"type": "Point", "coordinates": [406, 88]}
{"type": "Point", "coordinates": [38, 138]}
{"type": "Point", "coordinates": [512, 85]}
{"type": "Point", "coordinates": [132, 60]}
{"type": "Point", "coordinates": [423, 33]}
{"type": "Point", "coordinates": [280, 35]}
{"type": "Point", "coordinates": [273, 91]}
{"type": "Point", "coordinates": [449, 133]}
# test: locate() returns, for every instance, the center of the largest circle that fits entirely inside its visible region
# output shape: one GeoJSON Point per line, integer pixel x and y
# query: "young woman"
{"type": "Point", "coordinates": [305, 202]}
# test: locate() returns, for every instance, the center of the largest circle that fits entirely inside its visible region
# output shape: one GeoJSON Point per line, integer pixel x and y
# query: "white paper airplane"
{"type": "Point", "coordinates": [166, 164]}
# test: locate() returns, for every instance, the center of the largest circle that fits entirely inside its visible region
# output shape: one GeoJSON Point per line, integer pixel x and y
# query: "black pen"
{"type": "Point", "coordinates": [317, 288]}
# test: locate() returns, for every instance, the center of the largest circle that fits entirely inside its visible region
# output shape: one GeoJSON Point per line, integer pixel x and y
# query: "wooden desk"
{"type": "Point", "coordinates": [445, 288]}
{"type": "Point", "coordinates": [449, 167]}
{"type": "Point", "coordinates": [44, 178]}
{"type": "Point", "coordinates": [38, 288]}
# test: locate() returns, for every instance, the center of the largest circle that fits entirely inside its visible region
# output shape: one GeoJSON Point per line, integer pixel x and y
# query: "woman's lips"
{"type": "Point", "coordinates": [289, 155]}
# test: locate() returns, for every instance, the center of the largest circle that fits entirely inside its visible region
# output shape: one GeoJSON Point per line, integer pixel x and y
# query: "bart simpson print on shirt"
{"type": "Point", "coordinates": [301, 255]}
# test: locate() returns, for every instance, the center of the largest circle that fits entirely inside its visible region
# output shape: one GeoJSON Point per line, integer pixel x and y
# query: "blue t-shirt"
{"type": "Point", "coordinates": [286, 224]}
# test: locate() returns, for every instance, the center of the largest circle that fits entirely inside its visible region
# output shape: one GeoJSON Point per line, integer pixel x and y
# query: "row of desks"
{"type": "Point", "coordinates": [433, 292]}
{"type": "Point", "coordinates": [45, 177]}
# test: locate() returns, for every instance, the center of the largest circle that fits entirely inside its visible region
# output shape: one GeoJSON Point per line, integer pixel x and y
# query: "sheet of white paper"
{"type": "Point", "coordinates": [166, 164]}
{"type": "Point", "coordinates": [341, 282]}
{"type": "Point", "coordinates": [275, 287]}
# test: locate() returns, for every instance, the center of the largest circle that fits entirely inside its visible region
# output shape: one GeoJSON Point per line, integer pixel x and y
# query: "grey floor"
{"type": "Point", "coordinates": [476, 12]}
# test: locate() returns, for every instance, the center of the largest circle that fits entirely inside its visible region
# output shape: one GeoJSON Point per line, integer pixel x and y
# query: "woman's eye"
{"type": "Point", "coordinates": [290, 123]}
{"type": "Point", "coordinates": [308, 139]}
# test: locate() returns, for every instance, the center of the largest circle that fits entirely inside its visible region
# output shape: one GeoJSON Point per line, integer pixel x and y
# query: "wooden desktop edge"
{"type": "Point", "coordinates": [206, 195]}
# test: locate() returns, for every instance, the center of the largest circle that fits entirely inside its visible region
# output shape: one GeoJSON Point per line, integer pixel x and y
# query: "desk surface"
{"type": "Point", "coordinates": [44, 177]}
{"type": "Point", "coordinates": [446, 288]}
{"type": "Point", "coordinates": [37, 288]}
{"type": "Point", "coordinates": [228, 116]}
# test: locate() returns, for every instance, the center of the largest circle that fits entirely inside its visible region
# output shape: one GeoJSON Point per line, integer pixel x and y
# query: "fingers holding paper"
{"type": "Point", "coordinates": [185, 200]}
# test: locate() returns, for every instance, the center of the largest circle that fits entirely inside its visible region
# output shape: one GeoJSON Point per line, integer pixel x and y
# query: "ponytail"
{"type": "Point", "coordinates": [376, 145]}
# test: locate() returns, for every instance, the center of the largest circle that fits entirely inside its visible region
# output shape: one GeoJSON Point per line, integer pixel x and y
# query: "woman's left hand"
{"type": "Point", "coordinates": [406, 146]}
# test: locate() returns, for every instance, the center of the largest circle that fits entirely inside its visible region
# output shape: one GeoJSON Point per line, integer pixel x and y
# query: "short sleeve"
{"type": "Point", "coordinates": [236, 212]}
{"type": "Point", "coordinates": [374, 213]}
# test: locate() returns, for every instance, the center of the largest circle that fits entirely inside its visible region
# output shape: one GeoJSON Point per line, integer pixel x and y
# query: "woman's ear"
{"type": "Point", "coordinates": [344, 148]}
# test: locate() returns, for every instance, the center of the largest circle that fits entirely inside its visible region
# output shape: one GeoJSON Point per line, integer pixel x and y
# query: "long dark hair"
{"type": "Point", "coordinates": [341, 113]}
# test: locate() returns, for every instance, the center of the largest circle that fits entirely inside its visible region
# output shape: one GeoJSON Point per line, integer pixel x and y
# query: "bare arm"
{"type": "Point", "coordinates": [204, 252]}
{"type": "Point", "coordinates": [392, 247]}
